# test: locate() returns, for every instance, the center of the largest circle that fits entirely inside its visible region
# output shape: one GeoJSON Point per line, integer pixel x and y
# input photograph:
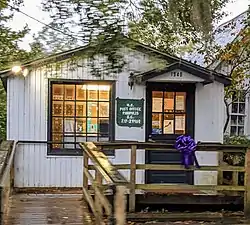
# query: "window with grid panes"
{"type": "Point", "coordinates": [237, 117]}
{"type": "Point", "coordinates": [79, 112]}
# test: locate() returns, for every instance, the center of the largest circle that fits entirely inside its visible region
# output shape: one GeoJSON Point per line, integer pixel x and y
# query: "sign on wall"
{"type": "Point", "coordinates": [129, 112]}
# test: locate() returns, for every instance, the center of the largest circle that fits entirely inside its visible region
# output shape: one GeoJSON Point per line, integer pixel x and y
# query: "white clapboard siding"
{"type": "Point", "coordinates": [27, 109]}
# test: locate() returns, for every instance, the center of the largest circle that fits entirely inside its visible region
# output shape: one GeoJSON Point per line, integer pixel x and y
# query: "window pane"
{"type": "Point", "coordinates": [81, 109]}
{"type": "Point", "coordinates": [57, 138]}
{"type": "Point", "coordinates": [69, 139]}
{"type": "Point", "coordinates": [92, 92]}
{"type": "Point", "coordinates": [103, 109]}
{"type": "Point", "coordinates": [69, 92]}
{"type": "Point", "coordinates": [168, 124]}
{"type": "Point", "coordinates": [81, 139]}
{"type": "Point", "coordinates": [57, 108]}
{"type": "Point", "coordinates": [180, 122]}
{"type": "Point", "coordinates": [92, 109]}
{"type": "Point", "coordinates": [104, 92]}
{"type": "Point", "coordinates": [233, 130]}
{"type": "Point", "coordinates": [180, 101]}
{"type": "Point", "coordinates": [169, 101]}
{"type": "Point", "coordinates": [80, 126]}
{"type": "Point", "coordinates": [92, 125]}
{"type": "Point", "coordinates": [242, 108]}
{"type": "Point", "coordinates": [80, 92]}
{"type": "Point", "coordinates": [69, 124]}
{"type": "Point", "coordinates": [233, 120]}
{"type": "Point", "coordinates": [69, 109]}
{"type": "Point", "coordinates": [57, 91]}
{"type": "Point", "coordinates": [157, 97]}
{"type": "Point", "coordinates": [104, 126]}
{"type": "Point", "coordinates": [240, 130]}
{"type": "Point", "coordinates": [156, 123]}
{"type": "Point", "coordinates": [235, 108]}
{"type": "Point", "coordinates": [57, 125]}
{"type": "Point", "coordinates": [92, 138]}
{"type": "Point", "coordinates": [241, 120]}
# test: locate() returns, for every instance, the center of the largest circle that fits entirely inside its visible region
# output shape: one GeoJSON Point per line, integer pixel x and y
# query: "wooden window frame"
{"type": "Point", "coordinates": [237, 115]}
{"type": "Point", "coordinates": [76, 151]}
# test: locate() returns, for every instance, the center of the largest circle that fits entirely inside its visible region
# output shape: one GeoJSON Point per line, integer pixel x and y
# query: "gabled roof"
{"type": "Point", "coordinates": [175, 61]}
{"type": "Point", "coordinates": [206, 75]}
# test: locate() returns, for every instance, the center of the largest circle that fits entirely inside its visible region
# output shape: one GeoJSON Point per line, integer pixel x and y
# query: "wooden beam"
{"type": "Point", "coordinates": [120, 205]}
{"type": "Point", "coordinates": [247, 185]}
{"type": "Point", "coordinates": [177, 167]}
{"type": "Point", "coordinates": [91, 204]}
{"type": "Point", "coordinates": [85, 167]}
{"type": "Point", "coordinates": [99, 196]}
{"type": "Point", "coordinates": [180, 187]}
{"type": "Point", "coordinates": [132, 179]}
{"type": "Point", "coordinates": [102, 164]}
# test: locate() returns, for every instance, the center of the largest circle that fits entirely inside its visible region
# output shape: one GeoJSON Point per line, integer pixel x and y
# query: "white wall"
{"type": "Point", "coordinates": [27, 120]}
{"type": "Point", "coordinates": [209, 122]}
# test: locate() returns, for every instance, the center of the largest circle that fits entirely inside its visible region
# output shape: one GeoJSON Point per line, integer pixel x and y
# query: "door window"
{"type": "Point", "coordinates": [168, 112]}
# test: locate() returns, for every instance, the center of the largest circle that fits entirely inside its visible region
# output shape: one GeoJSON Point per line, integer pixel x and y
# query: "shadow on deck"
{"type": "Point", "coordinates": [46, 209]}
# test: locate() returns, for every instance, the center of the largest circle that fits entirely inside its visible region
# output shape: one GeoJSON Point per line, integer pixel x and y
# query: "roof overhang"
{"type": "Point", "coordinates": [206, 76]}
{"type": "Point", "coordinates": [175, 62]}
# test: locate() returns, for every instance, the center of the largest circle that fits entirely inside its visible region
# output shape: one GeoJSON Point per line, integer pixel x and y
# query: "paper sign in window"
{"type": "Point", "coordinates": [168, 126]}
{"type": "Point", "coordinates": [157, 104]}
{"type": "Point", "coordinates": [168, 104]}
{"type": "Point", "coordinates": [180, 123]}
{"type": "Point", "coordinates": [180, 103]}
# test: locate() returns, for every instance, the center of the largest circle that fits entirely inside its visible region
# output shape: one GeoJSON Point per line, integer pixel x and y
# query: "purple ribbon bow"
{"type": "Point", "coordinates": [187, 146]}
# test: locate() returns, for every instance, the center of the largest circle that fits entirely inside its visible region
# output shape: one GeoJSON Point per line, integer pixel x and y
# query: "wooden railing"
{"type": "Point", "coordinates": [179, 188]}
{"type": "Point", "coordinates": [7, 152]}
{"type": "Point", "coordinates": [104, 171]}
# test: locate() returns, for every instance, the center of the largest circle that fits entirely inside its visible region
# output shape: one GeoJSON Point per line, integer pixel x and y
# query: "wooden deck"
{"type": "Point", "coordinates": [46, 209]}
{"type": "Point", "coordinates": [68, 209]}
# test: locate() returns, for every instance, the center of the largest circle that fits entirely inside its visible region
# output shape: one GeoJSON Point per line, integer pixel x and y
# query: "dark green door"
{"type": "Point", "coordinates": [170, 113]}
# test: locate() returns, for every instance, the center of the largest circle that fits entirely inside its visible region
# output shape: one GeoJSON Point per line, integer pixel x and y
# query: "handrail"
{"type": "Point", "coordinates": [102, 164]}
{"type": "Point", "coordinates": [6, 169]}
{"type": "Point", "coordinates": [103, 170]}
{"type": "Point", "coordinates": [6, 174]}
{"type": "Point", "coordinates": [173, 188]}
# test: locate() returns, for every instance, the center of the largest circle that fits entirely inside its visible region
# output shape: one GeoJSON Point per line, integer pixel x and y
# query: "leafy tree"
{"type": "Point", "coordinates": [160, 23]}
{"type": "Point", "coordinates": [10, 52]}
{"type": "Point", "coordinates": [176, 26]}
{"type": "Point", "coordinates": [236, 58]}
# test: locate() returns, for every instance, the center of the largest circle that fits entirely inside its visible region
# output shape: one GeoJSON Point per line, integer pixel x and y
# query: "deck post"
{"type": "Point", "coordinates": [120, 205]}
{"type": "Point", "coordinates": [85, 166]}
{"type": "Point", "coordinates": [247, 185]}
{"type": "Point", "coordinates": [98, 181]}
{"type": "Point", "coordinates": [132, 179]}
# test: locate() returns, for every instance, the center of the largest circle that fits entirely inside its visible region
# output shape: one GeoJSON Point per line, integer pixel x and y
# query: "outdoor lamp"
{"type": "Point", "coordinates": [16, 69]}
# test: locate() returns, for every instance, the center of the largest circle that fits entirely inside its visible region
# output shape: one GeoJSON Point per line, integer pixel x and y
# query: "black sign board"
{"type": "Point", "coordinates": [130, 112]}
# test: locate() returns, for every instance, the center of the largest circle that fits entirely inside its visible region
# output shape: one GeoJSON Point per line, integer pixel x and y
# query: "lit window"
{"type": "Point", "coordinates": [79, 112]}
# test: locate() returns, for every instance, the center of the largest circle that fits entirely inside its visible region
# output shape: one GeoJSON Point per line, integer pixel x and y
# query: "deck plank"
{"type": "Point", "coordinates": [45, 209]}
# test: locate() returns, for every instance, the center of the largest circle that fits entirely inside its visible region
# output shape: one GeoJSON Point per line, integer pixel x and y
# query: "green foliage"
{"type": "Point", "coordinates": [176, 26]}
{"type": "Point", "coordinates": [10, 53]}
{"type": "Point", "coordinates": [2, 112]}
{"type": "Point", "coordinates": [236, 140]}
{"type": "Point", "coordinates": [169, 25]}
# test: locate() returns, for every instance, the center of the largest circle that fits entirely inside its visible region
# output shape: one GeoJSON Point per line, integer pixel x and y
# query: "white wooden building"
{"type": "Point", "coordinates": [58, 100]}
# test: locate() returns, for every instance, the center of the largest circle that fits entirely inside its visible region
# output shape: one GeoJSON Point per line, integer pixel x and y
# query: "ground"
{"type": "Point", "coordinates": [45, 209]}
